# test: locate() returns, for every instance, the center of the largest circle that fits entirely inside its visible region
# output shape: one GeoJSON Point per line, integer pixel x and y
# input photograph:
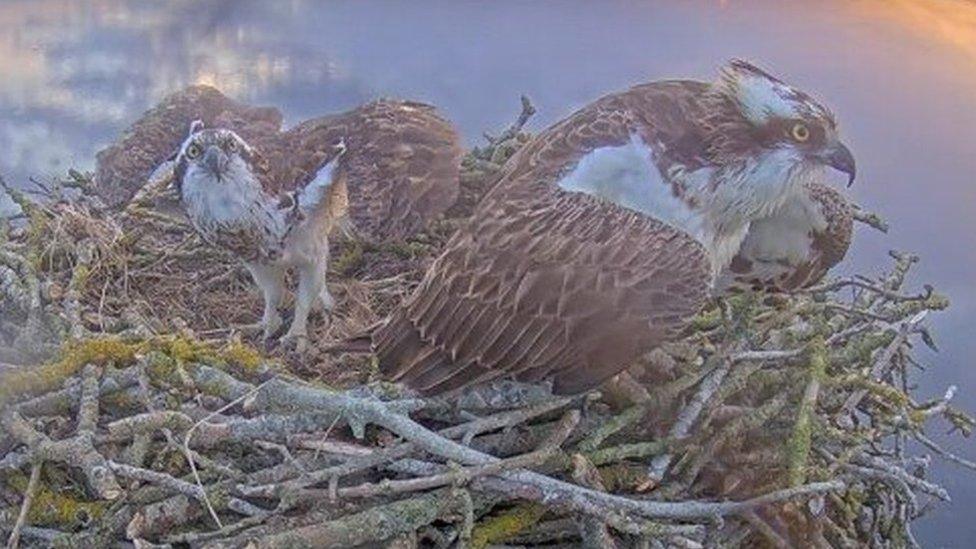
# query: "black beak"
{"type": "Point", "coordinates": [213, 161]}
{"type": "Point", "coordinates": [840, 158]}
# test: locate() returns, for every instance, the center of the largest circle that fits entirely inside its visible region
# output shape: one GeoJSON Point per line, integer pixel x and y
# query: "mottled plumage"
{"type": "Point", "coordinates": [606, 232]}
{"type": "Point", "coordinates": [402, 166]}
{"type": "Point", "coordinates": [122, 168]}
{"type": "Point", "coordinates": [388, 166]}
{"type": "Point", "coordinates": [796, 246]}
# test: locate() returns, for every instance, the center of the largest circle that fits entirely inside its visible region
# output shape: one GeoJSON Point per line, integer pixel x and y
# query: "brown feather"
{"type": "Point", "coordinates": [400, 169]}
{"type": "Point", "coordinates": [402, 164]}
{"type": "Point", "coordinates": [549, 284]}
{"type": "Point", "coordinates": [122, 168]}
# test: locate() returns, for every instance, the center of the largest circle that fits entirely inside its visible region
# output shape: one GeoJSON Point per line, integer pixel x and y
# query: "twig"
{"type": "Point", "coordinates": [77, 451]}
{"type": "Point", "coordinates": [14, 540]}
{"type": "Point", "coordinates": [800, 438]}
{"type": "Point", "coordinates": [870, 219]}
{"type": "Point", "coordinates": [689, 415]}
{"type": "Point", "coordinates": [932, 445]}
{"type": "Point", "coordinates": [882, 364]}
{"type": "Point", "coordinates": [189, 455]}
{"type": "Point", "coordinates": [460, 476]}
{"type": "Point", "coordinates": [527, 111]}
{"type": "Point", "coordinates": [88, 406]}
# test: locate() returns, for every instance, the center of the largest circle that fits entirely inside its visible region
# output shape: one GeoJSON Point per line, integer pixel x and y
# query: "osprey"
{"type": "Point", "coordinates": [795, 246]}
{"type": "Point", "coordinates": [388, 166]}
{"type": "Point", "coordinates": [607, 232]}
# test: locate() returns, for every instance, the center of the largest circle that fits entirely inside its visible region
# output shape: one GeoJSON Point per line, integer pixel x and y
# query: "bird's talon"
{"type": "Point", "coordinates": [297, 343]}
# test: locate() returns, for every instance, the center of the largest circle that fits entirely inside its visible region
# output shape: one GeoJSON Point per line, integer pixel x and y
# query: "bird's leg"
{"type": "Point", "coordinates": [271, 280]}
{"type": "Point", "coordinates": [311, 283]}
{"type": "Point", "coordinates": [326, 302]}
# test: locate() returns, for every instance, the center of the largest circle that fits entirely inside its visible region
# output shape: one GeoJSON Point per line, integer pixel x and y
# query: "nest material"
{"type": "Point", "coordinates": [133, 410]}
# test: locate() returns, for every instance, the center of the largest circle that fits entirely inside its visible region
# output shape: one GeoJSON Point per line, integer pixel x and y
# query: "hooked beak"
{"type": "Point", "coordinates": [840, 158]}
{"type": "Point", "coordinates": [215, 161]}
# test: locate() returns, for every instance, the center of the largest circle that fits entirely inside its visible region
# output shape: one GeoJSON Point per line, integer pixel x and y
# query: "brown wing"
{"type": "Point", "coordinates": [817, 245]}
{"type": "Point", "coordinates": [401, 164]}
{"type": "Point", "coordinates": [123, 168]}
{"type": "Point", "coordinates": [545, 283]}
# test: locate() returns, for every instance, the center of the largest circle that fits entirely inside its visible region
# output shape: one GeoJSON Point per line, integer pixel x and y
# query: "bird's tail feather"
{"type": "Point", "coordinates": [361, 343]}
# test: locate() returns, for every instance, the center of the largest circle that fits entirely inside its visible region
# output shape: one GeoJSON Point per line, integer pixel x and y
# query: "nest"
{"type": "Point", "coordinates": [137, 407]}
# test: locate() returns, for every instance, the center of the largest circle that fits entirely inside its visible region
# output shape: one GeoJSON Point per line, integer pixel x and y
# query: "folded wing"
{"type": "Point", "coordinates": [547, 283]}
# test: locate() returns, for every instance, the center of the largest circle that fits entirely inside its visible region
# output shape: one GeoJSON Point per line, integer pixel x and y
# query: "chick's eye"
{"type": "Point", "coordinates": [800, 132]}
{"type": "Point", "coordinates": [231, 145]}
{"type": "Point", "coordinates": [193, 151]}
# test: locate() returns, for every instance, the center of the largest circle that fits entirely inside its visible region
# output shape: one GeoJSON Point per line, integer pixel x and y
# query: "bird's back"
{"type": "Point", "coordinates": [401, 165]}
{"type": "Point", "coordinates": [549, 284]}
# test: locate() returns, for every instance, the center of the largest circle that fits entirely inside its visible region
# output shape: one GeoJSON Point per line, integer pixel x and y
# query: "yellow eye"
{"type": "Point", "coordinates": [800, 132]}
{"type": "Point", "coordinates": [193, 151]}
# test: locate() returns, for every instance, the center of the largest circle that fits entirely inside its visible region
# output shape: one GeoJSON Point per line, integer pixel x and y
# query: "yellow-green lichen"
{"type": "Point", "coordinates": [506, 524]}
{"type": "Point", "coordinates": [243, 356]}
{"type": "Point", "coordinates": [57, 509]}
{"type": "Point", "coordinates": [798, 445]}
{"type": "Point", "coordinates": [164, 356]}
{"type": "Point", "coordinates": [73, 357]}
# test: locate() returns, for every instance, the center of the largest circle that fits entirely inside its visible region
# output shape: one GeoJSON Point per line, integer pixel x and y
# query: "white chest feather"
{"type": "Point", "coordinates": [230, 200]}
{"type": "Point", "coordinates": [234, 203]}
{"type": "Point", "coordinates": [785, 237]}
{"type": "Point", "coordinates": [628, 176]}
{"type": "Point", "coordinates": [726, 201]}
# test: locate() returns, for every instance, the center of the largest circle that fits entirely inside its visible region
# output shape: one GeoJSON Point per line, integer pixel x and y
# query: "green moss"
{"type": "Point", "coordinates": [506, 524]}
{"type": "Point", "coordinates": [164, 355]}
{"type": "Point", "coordinates": [882, 391]}
{"type": "Point", "coordinates": [176, 352]}
{"type": "Point", "coordinates": [73, 358]}
{"type": "Point", "coordinates": [244, 356]}
{"type": "Point", "coordinates": [706, 320]}
{"type": "Point", "coordinates": [351, 260]}
{"type": "Point", "coordinates": [57, 509]}
{"type": "Point", "coordinates": [798, 445]}
{"type": "Point", "coordinates": [860, 349]}
{"type": "Point", "coordinates": [624, 477]}
{"type": "Point", "coordinates": [79, 277]}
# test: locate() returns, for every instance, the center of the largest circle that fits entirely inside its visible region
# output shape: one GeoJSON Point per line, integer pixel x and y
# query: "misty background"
{"type": "Point", "coordinates": [899, 74]}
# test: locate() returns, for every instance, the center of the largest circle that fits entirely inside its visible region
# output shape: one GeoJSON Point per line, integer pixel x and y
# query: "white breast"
{"type": "Point", "coordinates": [785, 236]}
{"type": "Point", "coordinates": [628, 176]}
{"type": "Point", "coordinates": [235, 201]}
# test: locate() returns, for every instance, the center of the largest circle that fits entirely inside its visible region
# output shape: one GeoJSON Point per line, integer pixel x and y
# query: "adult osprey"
{"type": "Point", "coordinates": [388, 165]}
{"type": "Point", "coordinates": [607, 231]}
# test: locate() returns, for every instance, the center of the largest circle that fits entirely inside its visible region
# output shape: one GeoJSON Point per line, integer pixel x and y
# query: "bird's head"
{"type": "Point", "coordinates": [755, 115]}
{"type": "Point", "coordinates": [213, 155]}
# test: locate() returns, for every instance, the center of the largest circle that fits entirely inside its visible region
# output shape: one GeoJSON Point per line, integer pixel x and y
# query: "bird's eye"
{"type": "Point", "coordinates": [231, 145]}
{"type": "Point", "coordinates": [800, 132]}
{"type": "Point", "coordinates": [193, 151]}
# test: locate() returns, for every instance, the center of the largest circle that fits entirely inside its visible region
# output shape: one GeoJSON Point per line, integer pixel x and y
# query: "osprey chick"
{"type": "Point", "coordinates": [795, 246]}
{"type": "Point", "coordinates": [607, 232]}
{"type": "Point", "coordinates": [224, 198]}
{"type": "Point", "coordinates": [387, 166]}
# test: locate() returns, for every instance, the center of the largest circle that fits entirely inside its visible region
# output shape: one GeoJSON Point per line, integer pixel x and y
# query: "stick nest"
{"type": "Point", "coordinates": [136, 409]}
